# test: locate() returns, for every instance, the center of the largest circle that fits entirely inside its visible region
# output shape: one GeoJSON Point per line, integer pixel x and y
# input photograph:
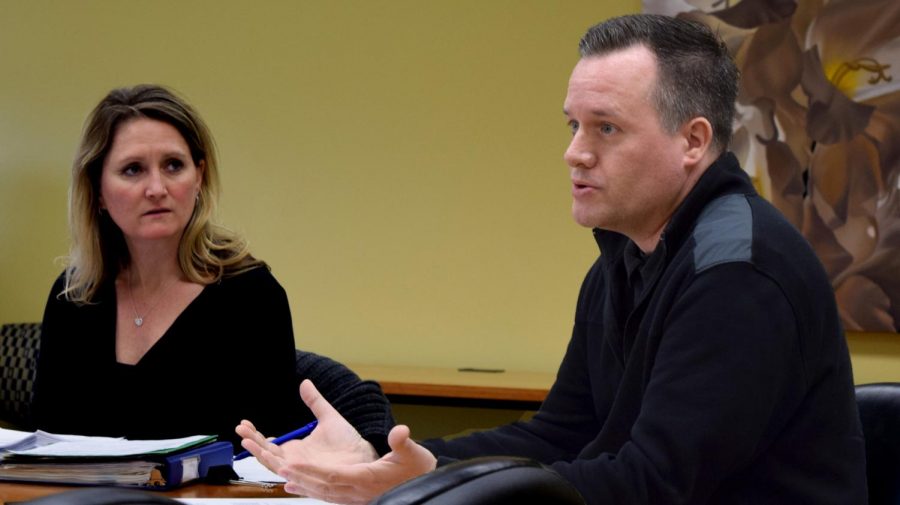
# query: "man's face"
{"type": "Point", "coordinates": [627, 173]}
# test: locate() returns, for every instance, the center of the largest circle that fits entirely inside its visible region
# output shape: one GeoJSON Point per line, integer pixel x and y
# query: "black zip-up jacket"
{"type": "Point", "coordinates": [726, 381]}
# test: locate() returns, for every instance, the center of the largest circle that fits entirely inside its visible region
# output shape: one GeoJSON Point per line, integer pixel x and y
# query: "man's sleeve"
{"type": "Point", "coordinates": [565, 422]}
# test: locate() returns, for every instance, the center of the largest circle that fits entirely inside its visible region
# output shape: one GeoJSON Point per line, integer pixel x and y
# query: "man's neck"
{"type": "Point", "coordinates": [647, 242]}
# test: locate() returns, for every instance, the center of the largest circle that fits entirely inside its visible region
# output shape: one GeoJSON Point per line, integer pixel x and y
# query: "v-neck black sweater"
{"type": "Point", "coordinates": [228, 356]}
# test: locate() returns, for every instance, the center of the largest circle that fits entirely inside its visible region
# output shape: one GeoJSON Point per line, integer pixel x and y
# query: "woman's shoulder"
{"type": "Point", "coordinates": [56, 298]}
{"type": "Point", "coordinates": [257, 276]}
{"type": "Point", "coordinates": [255, 290]}
{"type": "Point", "coordinates": [57, 291]}
{"type": "Point", "coordinates": [59, 284]}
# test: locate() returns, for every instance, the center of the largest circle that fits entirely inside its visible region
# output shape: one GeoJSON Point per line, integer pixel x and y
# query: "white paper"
{"type": "Point", "coordinates": [251, 469]}
{"type": "Point", "coordinates": [72, 445]}
{"type": "Point", "coordinates": [12, 437]}
{"type": "Point", "coordinates": [13, 440]}
{"type": "Point", "coordinates": [190, 469]}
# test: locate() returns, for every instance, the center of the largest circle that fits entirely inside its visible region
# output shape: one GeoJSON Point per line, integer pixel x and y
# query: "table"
{"type": "Point", "coordinates": [11, 492]}
{"type": "Point", "coordinates": [459, 387]}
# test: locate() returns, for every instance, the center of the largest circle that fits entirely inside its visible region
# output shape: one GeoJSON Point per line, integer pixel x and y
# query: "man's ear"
{"type": "Point", "coordinates": [698, 134]}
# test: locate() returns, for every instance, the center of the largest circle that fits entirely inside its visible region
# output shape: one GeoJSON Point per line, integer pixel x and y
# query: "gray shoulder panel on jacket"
{"type": "Point", "coordinates": [724, 232]}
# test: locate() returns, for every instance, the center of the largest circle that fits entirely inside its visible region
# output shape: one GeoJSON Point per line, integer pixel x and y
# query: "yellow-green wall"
{"type": "Point", "coordinates": [876, 357]}
{"type": "Point", "coordinates": [397, 163]}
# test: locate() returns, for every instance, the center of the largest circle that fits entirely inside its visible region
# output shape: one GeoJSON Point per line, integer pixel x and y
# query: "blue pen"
{"type": "Point", "coordinates": [294, 435]}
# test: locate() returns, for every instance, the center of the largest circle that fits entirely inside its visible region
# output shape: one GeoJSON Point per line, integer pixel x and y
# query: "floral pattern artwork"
{"type": "Point", "coordinates": [818, 130]}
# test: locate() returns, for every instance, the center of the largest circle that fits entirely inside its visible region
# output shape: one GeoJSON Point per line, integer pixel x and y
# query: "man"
{"type": "Point", "coordinates": [707, 363]}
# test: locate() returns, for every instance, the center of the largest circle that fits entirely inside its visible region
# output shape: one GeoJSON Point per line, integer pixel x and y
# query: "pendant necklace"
{"type": "Point", "coordinates": [139, 319]}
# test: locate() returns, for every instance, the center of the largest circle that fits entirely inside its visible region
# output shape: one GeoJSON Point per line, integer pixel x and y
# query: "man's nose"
{"type": "Point", "coordinates": [579, 154]}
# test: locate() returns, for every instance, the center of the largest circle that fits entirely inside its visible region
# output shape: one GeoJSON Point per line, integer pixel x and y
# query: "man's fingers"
{"type": "Point", "coordinates": [314, 400]}
{"type": "Point", "coordinates": [398, 439]}
{"type": "Point", "coordinates": [256, 444]}
{"type": "Point", "coordinates": [346, 499]}
{"type": "Point", "coordinates": [300, 472]}
{"type": "Point", "coordinates": [249, 432]}
{"type": "Point", "coordinates": [272, 461]}
{"type": "Point", "coordinates": [338, 475]}
{"type": "Point", "coordinates": [330, 492]}
{"type": "Point", "coordinates": [252, 447]}
{"type": "Point", "coordinates": [248, 425]}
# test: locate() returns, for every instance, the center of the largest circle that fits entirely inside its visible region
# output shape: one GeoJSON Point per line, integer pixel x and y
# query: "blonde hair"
{"type": "Point", "coordinates": [206, 253]}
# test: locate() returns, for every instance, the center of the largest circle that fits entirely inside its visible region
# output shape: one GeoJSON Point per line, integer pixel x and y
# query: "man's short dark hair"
{"type": "Point", "coordinates": [697, 77]}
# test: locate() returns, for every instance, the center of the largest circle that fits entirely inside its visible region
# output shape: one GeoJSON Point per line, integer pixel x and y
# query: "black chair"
{"type": "Point", "coordinates": [484, 481]}
{"type": "Point", "coordinates": [361, 402]}
{"type": "Point", "coordinates": [103, 496]}
{"type": "Point", "coordinates": [879, 411]}
{"type": "Point", "coordinates": [19, 343]}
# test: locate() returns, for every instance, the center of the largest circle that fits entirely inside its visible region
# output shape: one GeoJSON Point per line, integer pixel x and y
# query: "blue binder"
{"type": "Point", "coordinates": [192, 464]}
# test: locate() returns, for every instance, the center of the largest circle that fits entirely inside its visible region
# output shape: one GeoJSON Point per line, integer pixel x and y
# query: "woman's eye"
{"type": "Point", "coordinates": [607, 129]}
{"type": "Point", "coordinates": [131, 169]}
{"type": "Point", "coordinates": [573, 125]}
{"type": "Point", "coordinates": [174, 165]}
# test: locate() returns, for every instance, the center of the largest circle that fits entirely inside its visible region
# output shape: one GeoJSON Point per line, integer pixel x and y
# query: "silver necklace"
{"type": "Point", "coordinates": [139, 319]}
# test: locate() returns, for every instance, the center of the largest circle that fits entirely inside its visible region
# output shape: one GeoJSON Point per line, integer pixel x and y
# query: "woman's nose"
{"type": "Point", "coordinates": [156, 186]}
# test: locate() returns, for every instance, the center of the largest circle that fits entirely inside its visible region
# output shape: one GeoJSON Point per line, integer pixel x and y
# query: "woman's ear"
{"type": "Point", "coordinates": [698, 134]}
{"type": "Point", "coordinates": [201, 168]}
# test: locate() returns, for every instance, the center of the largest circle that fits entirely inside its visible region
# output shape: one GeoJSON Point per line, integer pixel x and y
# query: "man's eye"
{"type": "Point", "coordinates": [607, 129]}
{"type": "Point", "coordinates": [573, 125]}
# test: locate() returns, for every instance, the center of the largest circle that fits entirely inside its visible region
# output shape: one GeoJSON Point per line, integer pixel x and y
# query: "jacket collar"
{"type": "Point", "coordinates": [723, 177]}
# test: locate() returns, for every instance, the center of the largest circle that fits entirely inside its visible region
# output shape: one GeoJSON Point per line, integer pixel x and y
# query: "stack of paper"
{"type": "Point", "coordinates": [127, 473]}
{"type": "Point", "coordinates": [72, 459]}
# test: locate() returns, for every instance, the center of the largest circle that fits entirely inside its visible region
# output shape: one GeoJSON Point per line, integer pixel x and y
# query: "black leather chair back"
{"type": "Point", "coordinates": [103, 496]}
{"type": "Point", "coordinates": [879, 411]}
{"type": "Point", "coordinates": [484, 481]}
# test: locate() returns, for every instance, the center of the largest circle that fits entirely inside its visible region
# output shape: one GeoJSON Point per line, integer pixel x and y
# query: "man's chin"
{"type": "Point", "coordinates": [586, 220]}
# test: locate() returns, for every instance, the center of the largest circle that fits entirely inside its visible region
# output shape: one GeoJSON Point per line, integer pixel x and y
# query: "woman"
{"type": "Point", "coordinates": [163, 325]}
